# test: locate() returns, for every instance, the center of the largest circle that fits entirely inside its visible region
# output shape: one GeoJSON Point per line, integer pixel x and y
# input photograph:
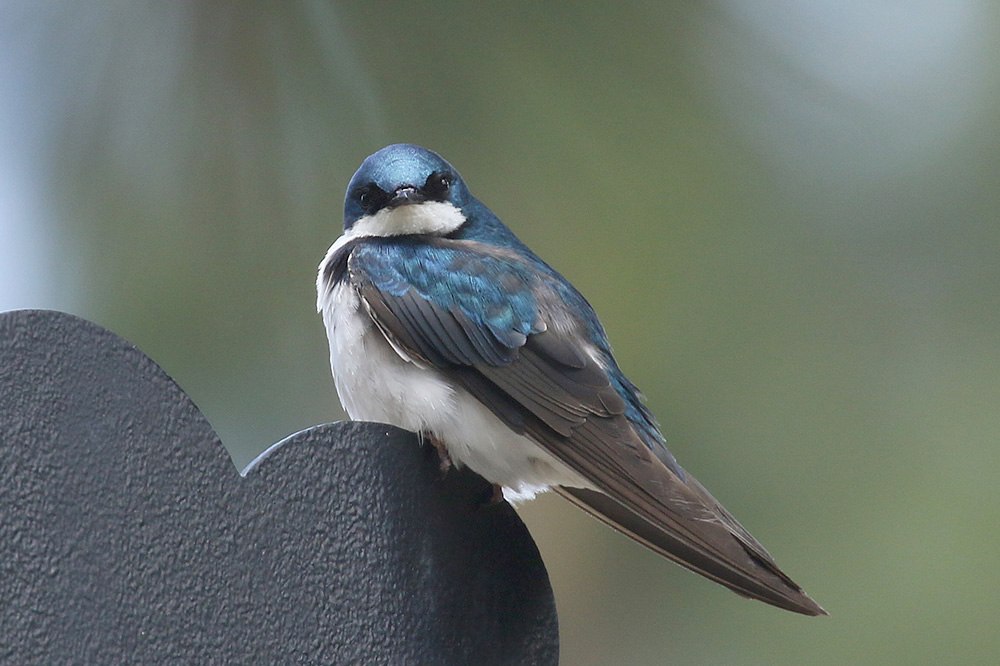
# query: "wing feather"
{"type": "Point", "coordinates": [548, 387]}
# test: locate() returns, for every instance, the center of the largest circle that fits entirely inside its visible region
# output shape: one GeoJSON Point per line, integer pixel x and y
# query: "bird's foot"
{"type": "Point", "coordinates": [493, 496]}
{"type": "Point", "coordinates": [444, 460]}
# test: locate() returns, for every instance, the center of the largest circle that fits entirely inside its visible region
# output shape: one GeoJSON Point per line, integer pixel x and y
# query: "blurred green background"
{"type": "Point", "coordinates": [786, 214]}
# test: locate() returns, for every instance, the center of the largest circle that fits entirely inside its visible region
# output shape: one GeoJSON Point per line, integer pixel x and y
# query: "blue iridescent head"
{"type": "Point", "coordinates": [401, 175]}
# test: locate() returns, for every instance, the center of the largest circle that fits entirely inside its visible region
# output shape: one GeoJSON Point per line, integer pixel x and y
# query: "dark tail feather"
{"type": "Point", "coordinates": [746, 567]}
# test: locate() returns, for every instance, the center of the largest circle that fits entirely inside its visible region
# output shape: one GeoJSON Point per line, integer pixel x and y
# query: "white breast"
{"type": "Point", "coordinates": [375, 383]}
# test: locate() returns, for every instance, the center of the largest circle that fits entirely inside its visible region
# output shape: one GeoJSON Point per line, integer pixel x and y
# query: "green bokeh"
{"type": "Point", "coordinates": [796, 260]}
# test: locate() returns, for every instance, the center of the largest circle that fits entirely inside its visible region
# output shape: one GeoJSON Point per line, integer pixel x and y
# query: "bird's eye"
{"type": "Point", "coordinates": [437, 185]}
{"type": "Point", "coordinates": [368, 197]}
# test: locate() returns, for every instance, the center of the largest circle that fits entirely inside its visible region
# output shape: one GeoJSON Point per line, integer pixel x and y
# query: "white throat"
{"type": "Point", "coordinates": [428, 217]}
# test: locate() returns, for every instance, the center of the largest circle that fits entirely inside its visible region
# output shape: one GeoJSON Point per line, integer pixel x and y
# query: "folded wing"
{"type": "Point", "coordinates": [543, 384]}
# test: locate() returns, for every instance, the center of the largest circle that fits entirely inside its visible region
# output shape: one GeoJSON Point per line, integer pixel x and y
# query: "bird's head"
{"type": "Point", "coordinates": [405, 189]}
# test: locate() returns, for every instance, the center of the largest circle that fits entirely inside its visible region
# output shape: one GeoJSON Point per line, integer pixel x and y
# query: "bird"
{"type": "Point", "coordinates": [441, 321]}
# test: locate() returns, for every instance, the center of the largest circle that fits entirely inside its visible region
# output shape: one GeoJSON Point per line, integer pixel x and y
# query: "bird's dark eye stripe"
{"type": "Point", "coordinates": [370, 197]}
{"type": "Point", "coordinates": [437, 184]}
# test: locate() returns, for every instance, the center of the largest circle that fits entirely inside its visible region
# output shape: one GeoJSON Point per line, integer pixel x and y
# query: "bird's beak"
{"type": "Point", "coordinates": [405, 195]}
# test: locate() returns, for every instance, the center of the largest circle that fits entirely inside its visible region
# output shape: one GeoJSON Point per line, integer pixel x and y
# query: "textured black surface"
{"type": "Point", "coordinates": [127, 536]}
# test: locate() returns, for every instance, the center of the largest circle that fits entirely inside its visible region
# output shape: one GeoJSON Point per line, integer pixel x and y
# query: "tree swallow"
{"type": "Point", "coordinates": [441, 321]}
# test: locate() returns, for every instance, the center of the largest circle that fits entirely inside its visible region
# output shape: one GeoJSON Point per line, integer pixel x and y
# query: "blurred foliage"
{"type": "Point", "coordinates": [786, 214]}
